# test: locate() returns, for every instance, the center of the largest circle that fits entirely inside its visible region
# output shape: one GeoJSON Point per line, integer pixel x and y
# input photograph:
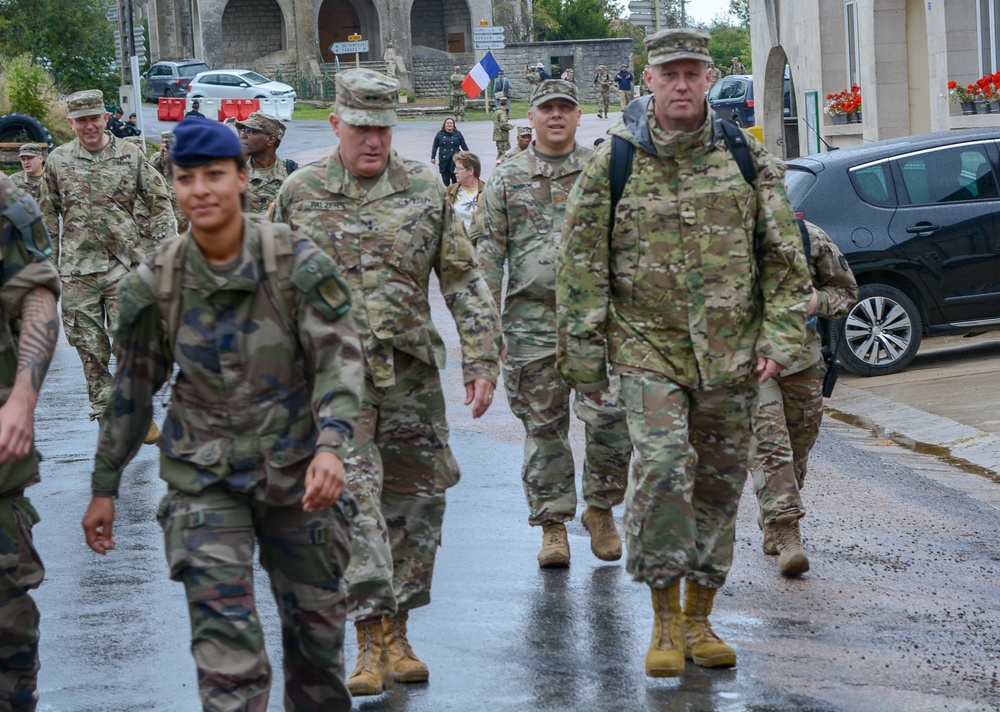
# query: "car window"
{"type": "Point", "coordinates": [209, 79]}
{"type": "Point", "coordinates": [189, 70]}
{"type": "Point", "coordinates": [231, 80]}
{"type": "Point", "coordinates": [733, 90]}
{"type": "Point", "coordinates": [159, 71]}
{"type": "Point", "coordinates": [873, 184]}
{"type": "Point", "coordinates": [948, 175]}
{"type": "Point", "coordinates": [713, 93]}
{"type": "Point", "coordinates": [253, 78]}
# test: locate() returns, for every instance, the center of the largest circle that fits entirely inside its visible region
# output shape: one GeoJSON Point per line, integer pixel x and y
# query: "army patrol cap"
{"type": "Point", "coordinates": [197, 141]}
{"type": "Point", "coordinates": [366, 98]}
{"type": "Point", "coordinates": [674, 44]}
{"type": "Point", "coordinates": [263, 122]}
{"type": "Point", "coordinates": [523, 130]}
{"type": "Point", "coordinates": [30, 149]}
{"type": "Point", "coordinates": [89, 102]}
{"type": "Point", "coordinates": [554, 89]}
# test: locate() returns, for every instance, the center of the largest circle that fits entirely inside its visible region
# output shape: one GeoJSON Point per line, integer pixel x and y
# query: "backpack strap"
{"type": "Point", "coordinates": [736, 141]}
{"type": "Point", "coordinates": [168, 268]}
{"type": "Point", "coordinates": [278, 258]}
{"type": "Point", "coordinates": [804, 231]}
{"type": "Point", "coordinates": [622, 154]}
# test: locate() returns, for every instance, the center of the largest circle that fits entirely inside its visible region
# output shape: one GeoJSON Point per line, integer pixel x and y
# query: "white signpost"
{"type": "Point", "coordinates": [355, 45]}
{"type": "Point", "coordinates": [487, 37]}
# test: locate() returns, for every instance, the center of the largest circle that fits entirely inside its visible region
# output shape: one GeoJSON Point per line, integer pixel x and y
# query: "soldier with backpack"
{"type": "Point", "coordinates": [694, 286]}
{"type": "Point", "coordinates": [258, 321]}
{"type": "Point", "coordinates": [261, 136]}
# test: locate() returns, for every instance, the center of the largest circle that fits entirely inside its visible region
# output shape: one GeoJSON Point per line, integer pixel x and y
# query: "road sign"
{"type": "Point", "coordinates": [641, 6]}
{"type": "Point", "coordinates": [642, 20]}
{"type": "Point", "coordinates": [112, 14]}
{"type": "Point", "coordinates": [349, 47]}
{"type": "Point", "coordinates": [488, 45]}
{"type": "Point", "coordinates": [354, 38]}
{"type": "Point", "coordinates": [488, 30]}
{"type": "Point", "coordinates": [496, 37]}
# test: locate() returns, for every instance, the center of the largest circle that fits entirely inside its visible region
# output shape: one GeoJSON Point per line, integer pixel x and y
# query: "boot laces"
{"type": "Point", "coordinates": [369, 653]}
{"type": "Point", "coordinates": [553, 536]}
{"type": "Point", "coordinates": [786, 537]}
{"type": "Point", "coordinates": [604, 521]}
{"type": "Point", "coordinates": [702, 628]}
{"type": "Point", "coordinates": [397, 634]}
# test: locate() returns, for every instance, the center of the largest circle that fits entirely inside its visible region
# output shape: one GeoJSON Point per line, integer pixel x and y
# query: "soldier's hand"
{"type": "Point", "coordinates": [324, 481]}
{"type": "Point", "coordinates": [767, 368]}
{"type": "Point", "coordinates": [97, 523]}
{"type": "Point", "coordinates": [813, 303]}
{"type": "Point", "coordinates": [480, 394]}
{"type": "Point", "coordinates": [17, 428]}
{"type": "Point", "coordinates": [433, 161]}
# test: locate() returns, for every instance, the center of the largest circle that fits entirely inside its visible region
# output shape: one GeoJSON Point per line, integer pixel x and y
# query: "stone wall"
{"type": "Point", "coordinates": [251, 29]}
{"type": "Point", "coordinates": [431, 69]}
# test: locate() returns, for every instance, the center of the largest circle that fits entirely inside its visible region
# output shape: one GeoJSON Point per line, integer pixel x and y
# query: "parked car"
{"type": "Point", "coordinates": [918, 219]}
{"type": "Point", "coordinates": [732, 98]}
{"type": "Point", "coordinates": [171, 78]}
{"type": "Point", "coordinates": [239, 84]}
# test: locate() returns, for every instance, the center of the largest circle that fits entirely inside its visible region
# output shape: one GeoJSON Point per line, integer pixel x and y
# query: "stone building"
{"type": "Point", "coordinates": [902, 53]}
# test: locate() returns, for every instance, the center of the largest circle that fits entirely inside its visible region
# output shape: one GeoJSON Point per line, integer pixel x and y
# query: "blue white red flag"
{"type": "Point", "coordinates": [479, 78]}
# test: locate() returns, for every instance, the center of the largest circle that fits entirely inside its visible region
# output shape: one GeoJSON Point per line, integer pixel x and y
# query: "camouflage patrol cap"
{"type": "Point", "coordinates": [263, 122]}
{"type": "Point", "coordinates": [457, 68]}
{"type": "Point", "coordinates": [30, 149]}
{"type": "Point", "coordinates": [366, 98]}
{"type": "Point", "coordinates": [523, 130]}
{"type": "Point", "coordinates": [89, 102]}
{"type": "Point", "coordinates": [164, 135]}
{"type": "Point", "coordinates": [674, 44]}
{"type": "Point", "coordinates": [554, 89]}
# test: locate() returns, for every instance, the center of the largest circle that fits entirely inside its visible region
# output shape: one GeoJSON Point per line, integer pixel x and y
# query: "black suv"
{"type": "Point", "coordinates": [918, 219]}
{"type": "Point", "coordinates": [171, 78]}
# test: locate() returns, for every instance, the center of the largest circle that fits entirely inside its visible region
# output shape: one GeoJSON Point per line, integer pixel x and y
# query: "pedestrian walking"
{"type": "Point", "coordinates": [531, 77]}
{"type": "Point", "coordinates": [258, 321]}
{"type": "Point", "coordinates": [29, 179]}
{"type": "Point", "coordinates": [260, 136]}
{"type": "Point", "coordinates": [502, 128]}
{"type": "Point", "coordinates": [501, 88]}
{"type": "Point", "coordinates": [624, 80]}
{"type": "Point", "coordinates": [467, 190]}
{"type": "Point", "coordinates": [457, 93]}
{"type": "Point", "coordinates": [389, 224]}
{"type": "Point", "coordinates": [521, 230]}
{"type": "Point", "coordinates": [711, 300]}
{"type": "Point", "coordinates": [602, 82]}
{"type": "Point", "coordinates": [736, 67]}
{"type": "Point", "coordinates": [93, 183]}
{"type": "Point", "coordinates": [29, 287]}
{"type": "Point", "coordinates": [447, 142]}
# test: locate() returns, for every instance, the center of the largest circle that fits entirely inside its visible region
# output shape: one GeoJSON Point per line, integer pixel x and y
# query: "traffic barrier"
{"type": "Point", "coordinates": [245, 107]}
{"type": "Point", "coordinates": [284, 109]}
{"type": "Point", "coordinates": [267, 106]}
{"type": "Point", "coordinates": [169, 109]}
{"type": "Point", "coordinates": [209, 107]}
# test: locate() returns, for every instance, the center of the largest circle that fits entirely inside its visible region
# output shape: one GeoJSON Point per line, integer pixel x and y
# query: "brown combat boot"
{"type": "Point", "coordinates": [793, 560]}
{"type": "Point", "coordinates": [665, 657]}
{"type": "Point", "coordinates": [770, 544]}
{"type": "Point", "coordinates": [555, 546]}
{"type": "Point", "coordinates": [605, 541]}
{"type": "Point", "coordinates": [152, 435]}
{"type": "Point", "coordinates": [406, 667]}
{"type": "Point", "coordinates": [373, 673]}
{"type": "Point", "coordinates": [704, 647]}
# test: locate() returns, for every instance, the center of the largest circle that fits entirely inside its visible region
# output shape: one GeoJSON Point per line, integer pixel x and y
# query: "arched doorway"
{"type": "Point", "coordinates": [446, 26]}
{"type": "Point", "coordinates": [250, 30]}
{"type": "Point", "coordinates": [340, 18]}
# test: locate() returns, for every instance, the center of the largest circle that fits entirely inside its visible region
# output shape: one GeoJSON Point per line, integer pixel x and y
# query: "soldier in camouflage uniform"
{"type": "Point", "coordinates": [93, 183]}
{"type": "Point", "coordinates": [161, 162]}
{"type": "Point", "coordinates": [457, 93]}
{"type": "Point", "coordinates": [29, 288]}
{"type": "Point", "coordinates": [694, 288]}
{"type": "Point", "coordinates": [502, 128]}
{"type": "Point", "coordinates": [389, 224]}
{"type": "Point", "coordinates": [523, 141]}
{"type": "Point", "coordinates": [523, 210]}
{"type": "Point", "coordinates": [531, 77]}
{"type": "Point", "coordinates": [261, 135]}
{"type": "Point", "coordinates": [791, 409]}
{"type": "Point", "coordinates": [32, 168]}
{"type": "Point", "coordinates": [602, 82]}
{"type": "Point", "coordinates": [256, 434]}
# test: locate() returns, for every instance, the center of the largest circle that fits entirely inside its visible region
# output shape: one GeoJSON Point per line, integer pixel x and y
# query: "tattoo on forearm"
{"type": "Point", "coordinates": [39, 330]}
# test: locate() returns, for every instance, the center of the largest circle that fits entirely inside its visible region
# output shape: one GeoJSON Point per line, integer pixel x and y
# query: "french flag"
{"type": "Point", "coordinates": [480, 76]}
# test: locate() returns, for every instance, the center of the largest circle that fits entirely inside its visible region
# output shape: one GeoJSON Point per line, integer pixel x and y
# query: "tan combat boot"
{"type": "Point", "coordinates": [373, 673]}
{"type": "Point", "coordinates": [406, 667]}
{"type": "Point", "coordinates": [605, 541]}
{"type": "Point", "coordinates": [770, 538]}
{"type": "Point", "coordinates": [704, 647]}
{"type": "Point", "coordinates": [152, 435]}
{"type": "Point", "coordinates": [793, 560]}
{"type": "Point", "coordinates": [665, 657]}
{"type": "Point", "coordinates": [555, 546]}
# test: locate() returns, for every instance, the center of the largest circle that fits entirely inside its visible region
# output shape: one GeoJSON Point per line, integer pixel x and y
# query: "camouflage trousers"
{"type": "Point", "coordinates": [539, 397]}
{"type": "Point", "coordinates": [603, 102]}
{"type": "Point", "coordinates": [503, 147]}
{"type": "Point", "coordinates": [398, 468]}
{"type": "Point", "coordinates": [692, 451]}
{"type": "Point", "coordinates": [787, 425]}
{"type": "Point", "coordinates": [459, 105]}
{"type": "Point", "coordinates": [89, 311]}
{"type": "Point", "coordinates": [210, 539]}
{"type": "Point", "coordinates": [20, 571]}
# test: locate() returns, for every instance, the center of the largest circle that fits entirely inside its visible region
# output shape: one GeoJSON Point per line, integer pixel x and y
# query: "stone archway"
{"type": "Point", "coordinates": [444, 25]}
{"type": "Point", "coordinates": [251, 29]}
{"type": "Point", "coordinates": [339, 18]}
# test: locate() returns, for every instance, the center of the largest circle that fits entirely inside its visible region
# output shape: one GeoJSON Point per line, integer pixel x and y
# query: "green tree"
{"type": "Point", "coordinates": [27, 87]}
{"type": "Point", "coordinates": [728, 42]}
{"type": "Point", "coordinates": [573, 19]}
{"type": "Point", "coordinates": [741, 10]}
{"type": "Point", "coordinates": [70, 38]}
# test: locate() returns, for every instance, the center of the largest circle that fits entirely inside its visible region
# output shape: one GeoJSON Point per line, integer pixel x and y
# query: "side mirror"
{"type": "Point", "coordinates": [243, 85]}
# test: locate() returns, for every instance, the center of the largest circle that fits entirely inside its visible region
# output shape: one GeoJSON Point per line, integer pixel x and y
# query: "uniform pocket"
{"type": "Point", "coordinates": [20, 565]}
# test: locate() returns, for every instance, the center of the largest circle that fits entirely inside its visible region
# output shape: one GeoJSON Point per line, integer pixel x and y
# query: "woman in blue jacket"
{"type": "Point", "coordinates": [447, 143]}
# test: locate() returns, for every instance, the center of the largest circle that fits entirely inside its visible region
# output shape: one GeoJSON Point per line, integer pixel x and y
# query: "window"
{"type": "Point", "coordinates": [873, 183]}
{"type": "Point", "coordinates": [851, 20]}
{"type": "Point", "coordinates": [733, 89]}
{"type": "Point", "coordinates": [988, 32]}
{"type": "Point", "coordinates": [949, 175]}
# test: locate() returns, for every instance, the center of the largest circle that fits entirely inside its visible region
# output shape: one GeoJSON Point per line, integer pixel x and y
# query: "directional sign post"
{"type": "Point", "coordinates": [488, 37]}
{"type": "Point", "coordinates": [355, 45]}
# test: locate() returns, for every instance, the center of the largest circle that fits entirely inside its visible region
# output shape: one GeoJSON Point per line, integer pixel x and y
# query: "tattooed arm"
{"type": "Point", "coordinates": [39, 329]}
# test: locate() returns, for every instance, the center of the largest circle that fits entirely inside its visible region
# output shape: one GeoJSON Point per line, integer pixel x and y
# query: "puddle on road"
{"type": "Point", "coordinates": [942, 453]}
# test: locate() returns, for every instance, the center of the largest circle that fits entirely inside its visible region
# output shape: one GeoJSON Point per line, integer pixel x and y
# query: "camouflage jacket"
{"type": "Point", "coordinates": [161, 162]}
{"type": "Point", "coordinates": [524, 205]}
{"type": "Point", "coordinates": [263, 186]}
{"type": "Point", "coordinates": [251, 389]}
{"type": "Point", "coordinates": [501, 126]}
{"type": "Point", "coordinates": [531, 76]}
{"type": "Point", "coordinates": [510, 153]}
{"type": "Point", "coordinates": [456, 81]}
{"type": "Point", "coordinates": [96, 197]}
{"type": "Point", "coordinates": [32, 185]}
{"type": "Point", "coordinates": [697, 274]}
{"type": "Point", "coordinates": [162, 165]}
{"type": "Point", "coordinates": [387, 241]}
{"type": "Point", "coordinates": [24, 265]}
{"type": "Point", "coordinates": [602, 80]}
{"type": "Point", "coordinates": [836, 291]}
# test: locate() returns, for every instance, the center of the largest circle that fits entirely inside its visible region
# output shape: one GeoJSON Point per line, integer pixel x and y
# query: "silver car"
{"type": "Point", "coordinates": [238, 84]}
{"type": "Point", "coordinates": [171, 78]}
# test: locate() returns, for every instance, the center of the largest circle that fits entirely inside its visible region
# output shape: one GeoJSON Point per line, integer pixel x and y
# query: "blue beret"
{"type": "Point", "coordinates": [197, 141]}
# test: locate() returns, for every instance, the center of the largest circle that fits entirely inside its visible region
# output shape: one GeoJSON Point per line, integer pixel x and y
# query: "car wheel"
{"type": "Point", "coordinates": [23, 128]}
{"type": "Point", "coordinates": [167, 93]}
{"type": "Point", "coordinates": [881, 333]}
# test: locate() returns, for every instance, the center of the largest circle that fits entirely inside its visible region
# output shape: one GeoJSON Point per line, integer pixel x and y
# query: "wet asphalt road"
{"type": "Point", "coordinates": [898, 612]}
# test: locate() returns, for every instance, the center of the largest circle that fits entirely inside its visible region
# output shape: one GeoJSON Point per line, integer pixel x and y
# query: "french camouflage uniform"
{"type": "Point", "coordinates": [523, 211]}
{"type": "Point", "coordinates": [263, 185]}
{"type": "Point", "coordinates": [501, 130]}
{"type": "Point", "coordinates": [791, 403]}
{"type": "Point", "coordinates": [602, 82]}
{"type": "Point", "coordinates": [387, 240]}
{"type": "Point", "coordinates": [25, 246]}
{"type": "Point", "coordinates": [260, 390]}
{"type": "Point", "coordinates": [96, 197]}
{"type": "Point", "coordinates": [696, 275]}
{"type": "Point", "coordinates": [161, 162]}
{"type": "Point", "coordinates": [457, 94]}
